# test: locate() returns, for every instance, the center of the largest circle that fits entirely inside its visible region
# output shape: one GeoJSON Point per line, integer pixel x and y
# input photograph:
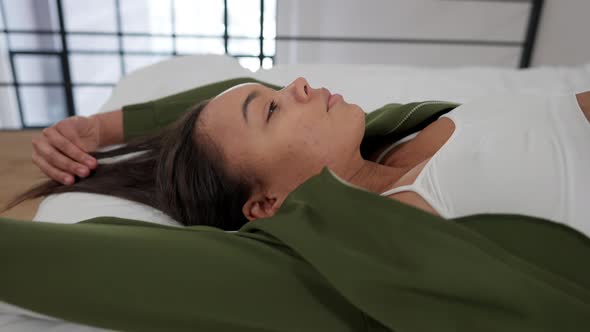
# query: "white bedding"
{"type": "Point", "coordinates": [15, 319]}
{"type": "Point", "coordinates": [369, 86]}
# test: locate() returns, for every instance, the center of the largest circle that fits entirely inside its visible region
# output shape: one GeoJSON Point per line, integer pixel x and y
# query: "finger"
{"type": "Point", "coordinates": [58, 160]}
{"type": "Point", "coordinates": [68, 148]}
{"type": "Point", "coordinates": [51, 171]}
{"type": "Point", "coordinates": [70, 133]}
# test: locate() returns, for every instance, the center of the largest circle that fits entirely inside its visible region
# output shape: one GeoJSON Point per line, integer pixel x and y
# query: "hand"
{"type": "Point", "coordinates": [61, 151]}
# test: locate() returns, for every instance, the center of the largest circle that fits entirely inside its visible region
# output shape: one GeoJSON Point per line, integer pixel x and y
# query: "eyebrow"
{"type": "Point", "coordinates": [249, 99]}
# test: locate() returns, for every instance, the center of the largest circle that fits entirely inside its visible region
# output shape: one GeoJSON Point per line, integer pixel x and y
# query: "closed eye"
{"type": "Point", "coordinates": [271, 109]}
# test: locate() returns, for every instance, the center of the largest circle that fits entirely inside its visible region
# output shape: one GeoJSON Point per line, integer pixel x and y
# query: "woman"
{"type": "Point", "coordinates": [236, 157]}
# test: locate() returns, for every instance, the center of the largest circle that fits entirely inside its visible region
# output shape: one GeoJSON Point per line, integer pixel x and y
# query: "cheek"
{"type": "Point", "coordinates": [295, 154]}
{"type": "Point", "coordinates": [302, 145]}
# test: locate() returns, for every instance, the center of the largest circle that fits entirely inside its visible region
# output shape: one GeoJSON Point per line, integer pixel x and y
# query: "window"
{"type": "Point", "coordinates": [63, 57]}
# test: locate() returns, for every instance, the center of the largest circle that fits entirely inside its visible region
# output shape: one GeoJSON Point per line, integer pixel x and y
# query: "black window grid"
{"type": "Point", "coordinates": [68, 85]}
{"type": "Point", "coordinates": [527, 45]}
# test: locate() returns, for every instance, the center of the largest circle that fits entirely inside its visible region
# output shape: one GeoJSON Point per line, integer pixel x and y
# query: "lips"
{"type": "Point", "coordinates": [327, 97]}
{"type": "Point", "coordinates": [334, 99]}
{"type": "Point", "coordinates": [331, 99]}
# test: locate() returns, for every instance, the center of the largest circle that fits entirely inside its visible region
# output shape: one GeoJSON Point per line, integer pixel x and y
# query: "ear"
{"type": "Point", "coordinates": [260, 205]}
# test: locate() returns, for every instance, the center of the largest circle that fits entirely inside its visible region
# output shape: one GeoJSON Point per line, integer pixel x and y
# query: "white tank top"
{"type": "Point", "coordinates": [516, 154]}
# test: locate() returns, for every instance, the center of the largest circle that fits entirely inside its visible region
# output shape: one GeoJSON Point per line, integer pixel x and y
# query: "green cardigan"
{"type": "Point", "coordinates": [334, 258]}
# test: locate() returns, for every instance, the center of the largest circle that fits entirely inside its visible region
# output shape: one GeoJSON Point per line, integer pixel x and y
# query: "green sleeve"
{"type": "Point", "coordinates": [147, 277]}
{"type": "Point", "coordinates": [144, 118]}
{"type": "Point", "coordinates": [333, 258]}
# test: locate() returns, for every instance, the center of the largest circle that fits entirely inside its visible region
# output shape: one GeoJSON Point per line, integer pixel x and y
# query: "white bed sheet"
{"type": "Point", "coordinates": [369, 86]}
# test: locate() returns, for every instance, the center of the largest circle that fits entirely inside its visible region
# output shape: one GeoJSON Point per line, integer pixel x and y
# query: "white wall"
{"type": "Point", "coordinates": [405, 19]}
{"type": "Point", "coordinates": [564, 33]}
{"type": "Point", "coordinates": [563, 37]}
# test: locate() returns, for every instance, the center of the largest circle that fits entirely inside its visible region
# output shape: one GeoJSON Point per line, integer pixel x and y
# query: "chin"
{"type": "Point", "coordinates": [354, 109]}
{"type": "Point", "coordinates": [360, 115]}
{"type": "Point", "coordinates": [355, 124]}
{"type": "Point", "coordinates": [360, 110]}
{"type": "Point", "coordinates": [349, 118]}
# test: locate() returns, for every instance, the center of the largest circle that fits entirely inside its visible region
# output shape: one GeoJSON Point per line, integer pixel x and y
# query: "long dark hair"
{"type": "Point", "coordinates": [177, 170]}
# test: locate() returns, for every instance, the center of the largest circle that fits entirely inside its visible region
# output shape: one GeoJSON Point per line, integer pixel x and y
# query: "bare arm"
{"type": "Point", "coordinates": [62, 151]}
{"type": "Point", "coordinates": [110, 127]}
{"type": "Point", "coordinates": [584, 102]}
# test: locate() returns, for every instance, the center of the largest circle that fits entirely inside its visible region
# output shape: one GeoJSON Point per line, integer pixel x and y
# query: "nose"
{"type": "Point", "coordinates": [301, 89]}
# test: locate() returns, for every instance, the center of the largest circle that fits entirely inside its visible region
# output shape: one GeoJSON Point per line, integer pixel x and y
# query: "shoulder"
{"type": "Point", "coordinates": [415, 200]}
{"type": "Point", "coordinates": [410, 197]}
{"type": "Point", "coordinates": [584, 102]}
{"type": "Point", "coordinates": [423, 146]}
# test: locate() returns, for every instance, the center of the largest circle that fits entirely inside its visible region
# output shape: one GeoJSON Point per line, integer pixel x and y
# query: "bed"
{"type": "Point", "coordinates": [404, 83]}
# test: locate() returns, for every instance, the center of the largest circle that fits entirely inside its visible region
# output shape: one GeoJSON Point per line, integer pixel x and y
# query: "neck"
{"type": "Point", "coordinates": [372, 176]}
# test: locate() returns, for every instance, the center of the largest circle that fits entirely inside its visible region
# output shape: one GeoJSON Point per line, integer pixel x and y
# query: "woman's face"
{"type": "Point", "coordinates": [283, 137]}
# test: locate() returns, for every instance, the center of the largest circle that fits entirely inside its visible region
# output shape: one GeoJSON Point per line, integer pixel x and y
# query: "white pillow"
{"type": "Point", "coordinates": [372, 86]}
{"type": "Point", "coordinates": [69, 208]}
{"type": "Point", "coordinates": [171, 76]}
{"type": "Point", "coordinates": [369, 86]}
{"type": "Point", "coordinates": [16, 319]}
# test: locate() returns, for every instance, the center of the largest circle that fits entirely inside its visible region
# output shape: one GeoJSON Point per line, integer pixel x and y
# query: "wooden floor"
{"type": "Point", "coordinates": [17, 172]}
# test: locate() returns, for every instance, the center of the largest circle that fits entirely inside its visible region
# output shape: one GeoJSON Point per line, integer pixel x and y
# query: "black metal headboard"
{"type": "Point", "coordinates": [62, 54]}
{"type": "Point", "coordinates": [531, 33]}
{"type": "Point", "coordinates": [526, 45]}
